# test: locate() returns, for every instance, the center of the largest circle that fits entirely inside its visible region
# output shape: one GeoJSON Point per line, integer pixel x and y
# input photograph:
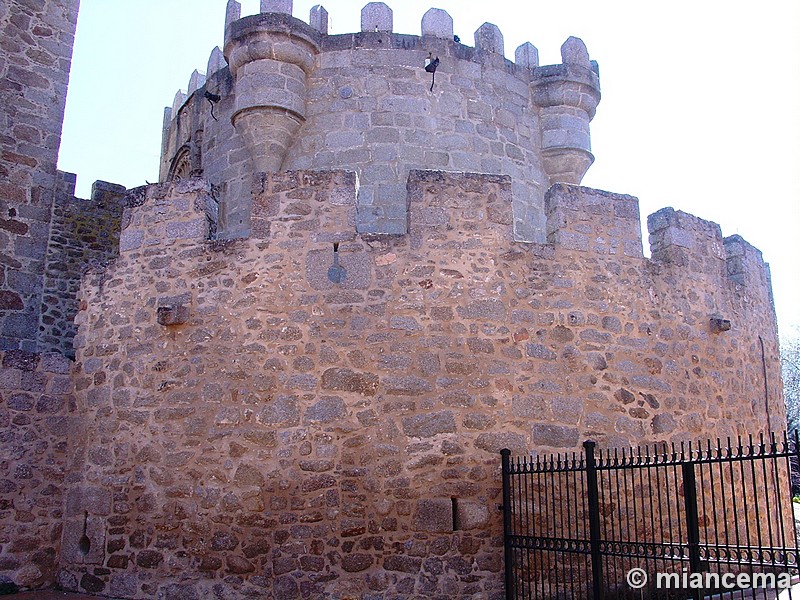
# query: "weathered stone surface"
{"type": "Point", "coordinates": [376, 16]}
{"type": "Point", "coordinates": [295, 429]}
{"type": "Point", "coordinates": [663, 423]}
{"type": "Point", "coordinates": [318, 18]}
{"type": "Point", "coordinates": [573, 51]}
{"type": "Point", "coordinates": [276, 6]}
{"type": "Point", "coordinates": [149, 559]}
{"type": "Point", "coordinates": [327, 410]}
{"type": "Point", "coordinates": [554, 436]}
{"type": "Point", "coordinates": [355, 563]}
{"type": "Point", "coordinates": [437, 23]}
{"type": "Point", "coordinates": [494, 442]}
{"type": "Point", "coordinates": [407, 386]}
{"type": "Point", "coordinates": [527, 55]}
{"type": "Point", "coordinates": [429, 425]}
{"type": "Point", "coordinates": [233, 12]}
{"type": "Point", "coordinates": [239, 565]}
{"type": "Point", "coordinates": [434, 515]}
{"type": "Point", "coordinates": [489, 38]}
{"type": "Point", "coordinates": [19, 359]}
{"type": "Point", "coordinates": [471, 515]}
{"type": "Point", "coordinates": [404, 564]}
{"type": "Point", "coordinates": [283, 411]}
{"type": "Point", "coordinates": [346, 380]}
{"type": "Point", "coordinates": [216, 62]}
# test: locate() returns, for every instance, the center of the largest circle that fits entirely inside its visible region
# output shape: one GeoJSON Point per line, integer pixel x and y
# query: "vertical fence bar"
{"type": "Point", "coordinates": [506, 454]}
{"type": "Point", "coordinates": [692, 521]}
{"type": "Point", "coordinates": [594, 520]}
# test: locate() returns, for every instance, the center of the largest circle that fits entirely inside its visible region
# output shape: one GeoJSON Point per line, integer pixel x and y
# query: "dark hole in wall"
{"type": "Point", "coordinates": [85, 544]}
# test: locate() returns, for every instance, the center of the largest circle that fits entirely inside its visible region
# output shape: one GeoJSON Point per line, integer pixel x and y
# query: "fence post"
{"type": "Point", "coordinates": [692, 520]}
{"type": "Point", "coordinates": [508, 551]}
{"type": "Point", "coordinates": [593, 497]}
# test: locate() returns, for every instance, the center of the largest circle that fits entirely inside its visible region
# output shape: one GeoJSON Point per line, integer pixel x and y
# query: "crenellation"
{"type": "Point", "coordinates": [178, 102]}
{"type": "Point", "coordinates": [567, 95]}
{"type": "Point", "coordinates": [377, 17]}
{"type": "Point", "coordinates": [587, 220]}
{"type": "Point", "coordinates": [233, 12]}
{"type": "Point", "coordinates": [745, 264]}
{"type": "Point", "coordinates": [489, 39]}
{"type": "Point", "coordinates": [318, 19]}
{"type": "Point", "coordinates": [684, 240]}
{"type": "Point", "coordinates": [276, 6]}
{"type": "Point", "coordinates": [534, 126]}
{"type": "Point", "coordinates": [574, 52]}
{"type": "Point", "coordinates": [216, 62]}
{"type": "Point", "coordinates": [167, 119]}
{"type": "Point", "coordinates": [527, 55]}
{"type": "Point", "coordinates": [174, 213]}
{"type": "Point", "coordinates": [437, 23]}
{"type": "Point", "coordinates": [196, 81]}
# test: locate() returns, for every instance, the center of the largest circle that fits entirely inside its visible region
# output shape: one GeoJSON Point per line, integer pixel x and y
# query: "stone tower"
{"type": "Point", "coordinates": [348, 292]}
{"type": "Point", "coordinates": [34, 70]}
{"type": "Point", "coordinates": [293, 97]}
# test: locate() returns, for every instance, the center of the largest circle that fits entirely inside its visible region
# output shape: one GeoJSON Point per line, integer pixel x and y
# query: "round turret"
{"type": "Point", "coordinates": [270, 56]}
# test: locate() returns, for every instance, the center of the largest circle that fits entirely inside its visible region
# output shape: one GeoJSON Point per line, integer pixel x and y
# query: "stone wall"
{"type": "Point", "coordinates": [82, 233]}
{"type": "Point", "coordinates": [37, 426]}
{"type": "Point", "coordinates": [260, 430]}
{"type": "Point", "coordinates": [37, 38]}
{"type": "Point", "coordinates": [364, 102]}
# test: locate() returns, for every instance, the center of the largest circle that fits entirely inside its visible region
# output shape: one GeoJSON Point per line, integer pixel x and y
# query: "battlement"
{"type": "Point", "coordinates": [297, 357]}
{"type": "Point", "coordinates": [294, 97]}
{"type": "Point", "coordinates": [446, 210]}
{"type": "Point", "coordinates": [312, 363]}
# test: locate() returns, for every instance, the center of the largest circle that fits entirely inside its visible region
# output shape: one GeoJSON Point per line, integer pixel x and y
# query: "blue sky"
{"type": "Point", "coordinates": [700, 108]}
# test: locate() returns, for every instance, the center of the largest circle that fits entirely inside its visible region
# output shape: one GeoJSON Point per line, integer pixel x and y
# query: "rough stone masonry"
{"type": "Point", "coordinates": [295, 383]}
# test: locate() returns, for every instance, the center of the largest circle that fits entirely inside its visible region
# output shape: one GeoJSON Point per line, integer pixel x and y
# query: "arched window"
{"type": "Point", "coordinates": [181, 165]}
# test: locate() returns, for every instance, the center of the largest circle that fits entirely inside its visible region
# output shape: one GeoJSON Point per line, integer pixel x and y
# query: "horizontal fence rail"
{"type": "Point", "coordinates": [664, 521]}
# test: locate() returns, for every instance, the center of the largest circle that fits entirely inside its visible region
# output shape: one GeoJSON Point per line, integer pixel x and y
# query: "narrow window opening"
{"type": "Point", "coordinates": [456, 524]}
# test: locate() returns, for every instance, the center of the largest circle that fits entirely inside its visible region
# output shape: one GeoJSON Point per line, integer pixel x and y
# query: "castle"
{"type": "Point", "coordinates": [297, 357]}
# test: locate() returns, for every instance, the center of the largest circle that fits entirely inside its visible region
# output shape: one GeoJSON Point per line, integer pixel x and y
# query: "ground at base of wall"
{"type": "Point", "coordinates": [49, 595]}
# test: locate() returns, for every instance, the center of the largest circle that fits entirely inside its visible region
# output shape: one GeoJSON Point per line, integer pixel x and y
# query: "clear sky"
{"type": "Point", "coordinates": [700, 108]}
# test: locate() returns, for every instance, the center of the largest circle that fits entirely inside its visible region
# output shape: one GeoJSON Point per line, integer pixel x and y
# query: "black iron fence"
{"type": "Point", "coordinates": [687, 521]}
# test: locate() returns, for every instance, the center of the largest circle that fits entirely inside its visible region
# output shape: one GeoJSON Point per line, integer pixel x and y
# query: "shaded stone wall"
{"type": "Point", "coordinates": [37, 39]}
{"type": "Point", "coordinates": [260, 430]}
{"type": "Point", "coordinates": [37, 423]}
{"type": "Point", "coordinates": [82, 233]}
